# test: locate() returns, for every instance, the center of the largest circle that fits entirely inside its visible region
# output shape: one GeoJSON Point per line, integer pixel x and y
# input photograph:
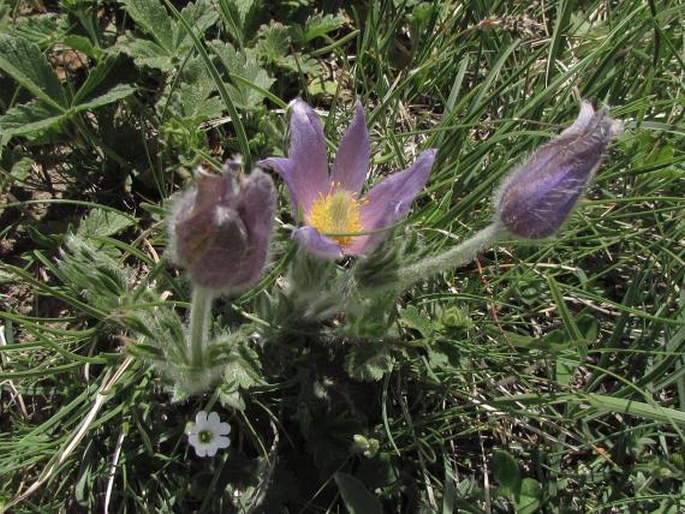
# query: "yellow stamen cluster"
{"type": "Point", "coordinates": [336, 214]}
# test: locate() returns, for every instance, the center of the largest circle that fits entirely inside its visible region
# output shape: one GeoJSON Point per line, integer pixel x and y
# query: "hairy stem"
{"type": "Point", "coordinates": [200, 311]}
{"type": "Point", "coordinates": [453, 258]}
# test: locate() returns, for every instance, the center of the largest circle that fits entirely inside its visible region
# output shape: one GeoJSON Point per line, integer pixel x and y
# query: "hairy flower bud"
{"type": "Point", "coordinates": [537, 197]}
{"type": "Point", "coordinates": [219, 230]}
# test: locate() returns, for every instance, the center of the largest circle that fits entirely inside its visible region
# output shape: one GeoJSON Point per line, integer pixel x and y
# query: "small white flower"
{"type": "Point", "coordinates": [208, 434]}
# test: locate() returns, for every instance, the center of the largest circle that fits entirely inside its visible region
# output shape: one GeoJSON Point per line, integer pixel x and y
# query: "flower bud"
{"type": "Point", "coordinates": [536, 198]}
{"type": "Point", "coordinates": [219, 230]}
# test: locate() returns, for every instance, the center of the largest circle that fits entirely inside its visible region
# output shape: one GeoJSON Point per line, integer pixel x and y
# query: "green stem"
{"type": "Point", "coordinates": [453, 258]}
{"type": "Point", "coordinates": [200, 311]}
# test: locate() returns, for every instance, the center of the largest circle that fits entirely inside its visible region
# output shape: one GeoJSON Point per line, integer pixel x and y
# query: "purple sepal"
{"type": "Point", "coordinates": [305, 170]}
{"type": "Point", "coordinates": [391, 199]}
{"type": "Point", "coordinates": [537, 197]}
{"type": "Point", "coordinates": [220, 234]}
{"type": "Point", "coordinates": [352, 159]}
{"type": "Point", "coordinates": [316, 243]}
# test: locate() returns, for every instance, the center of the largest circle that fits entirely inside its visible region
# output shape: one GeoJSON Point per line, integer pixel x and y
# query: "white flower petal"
{"type": "Point", "coordinates": [194, 440]}
{"type": "Point", "coordinates": [213, 420]}
{"type": "Point", "coordinates": [223, 429]}
{"type": "Point", "coordinates": [202, 450]}
{"type": "Point", "coordinates": [222, 442]}
{"type": "Point", "coordinates": [201, 419]}
{"type": "Point", "coordinates": [211, 449]}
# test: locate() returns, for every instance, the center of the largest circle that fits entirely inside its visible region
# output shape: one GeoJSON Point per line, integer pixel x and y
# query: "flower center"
{"type": "Point", "coordinates": [336, 213]}
{"type": "Point", "coordinates": [205, 436]}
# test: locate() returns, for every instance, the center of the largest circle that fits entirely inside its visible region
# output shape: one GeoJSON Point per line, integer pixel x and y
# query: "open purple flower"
{"type": "Point", "coordinates": [337, 219]}
{"type": "Point", "coordinates": [537, 197]}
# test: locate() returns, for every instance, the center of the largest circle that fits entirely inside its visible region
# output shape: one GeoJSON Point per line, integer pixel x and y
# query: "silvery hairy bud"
{"type": "Point", "coordinates": [537, 197]}
{"type": "Point", "coordinates": [219, 229]}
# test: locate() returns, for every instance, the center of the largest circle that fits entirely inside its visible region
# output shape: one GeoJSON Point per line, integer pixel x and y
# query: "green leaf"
{"type": "Point", "coordinates": [190, 103]}
{"type": "Point", "coordinates": [200, 48]}
{"type": "Point", "coordinates": [82, 44]}
{"type": "Point", "coordinates": [95, 78]}
{"type": "Point", "coordinates": [569, 322]}
{"type": "Point", "coordinates": [153, 19]}
{"type": "Point", "coordinates": [506, 471]}
{"type": "Point", "coordinates": [200, 15]}
{"type": "Point", "coordinates": [529, 497]}
{"type": "Point", "coordinates": [566, 367]}
{"type": "Point", "coordinates": [520, 340]}
{"type": "Point", "coordinates": [274, 45]}
{"type": "Point", "coordinates": [444, 354]}
{"type": "Point", "coordinates": [37, 116]}
{"type": "Point", "coordinates": [369, 361]}
{"type": "Point", "coordinates": [28, 119]}
{"type": "Point", "coordinates": [357, 498]}
{"type": "Point", "coordinates": [231, 398]}
{"type": "Point", "coordinates": [171, 39]}
{"type": "Point", "coordinates": [243, 8]}
{"type": "Point", "coordinates": [244, 64]}
{"type": "Point", "coordinates": [145, 351]}
{"type": "Point", "coordinates": [103, 223]}
{"type": "Point", "coordinates": [25, 63]}
{"type": "Point", "coordinates": [602, 403]}
{"type": "Point", "coordinates": [89, 269]}
{"type": "Point", "coordinates": [147, 53]}
{"type": "Point", "coordinates": [640, 409]}
{"type": "Point", "coordinates": [21, 169]}
{"type": "Point", "coordinates": [242, 372]}
{"type": "Point", "coordinates": [42, 29]}
{"type": "Point", "coordinates": [194, 99]}
{"type": "Point", "coordinates": [450, 491]}
{"type": "Point", "coordinates": [455, 319]}
{"type": "Point", "coordinates": [320, 25]}
{"type": "Point", "coordinates": [413, 319]}
{"type": "Point", "coordinates": [274, 42]}
{"type": "Point", "coordinates": [300, 63]}
{"type": "Point", "coordinates": [118, 92]}
{"type": "Point", "coordinates": [242, 368]}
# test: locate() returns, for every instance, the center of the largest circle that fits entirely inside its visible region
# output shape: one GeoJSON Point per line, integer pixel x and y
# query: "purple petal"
{"type": "Point", "coordinates": [352, 160]}
{"type": "Point", "coordinates": [286, 169]}
{"type": "Point", "coordinates": [390, 200]}
{"type": "Point", "coordinates": [584, 117]}
{"type": "Point", "coordinates": [212, 189]}
{"type": "Point", "coordinates": [313, 241]}
{"type": "Point", "coordinates": [211, 245]}
{"type": "Point", "coordinates": [306, 169]}
{"type": "Point", "coordinates": [366, 243]}
{"type": "Point", "coordinates": [257, 209]}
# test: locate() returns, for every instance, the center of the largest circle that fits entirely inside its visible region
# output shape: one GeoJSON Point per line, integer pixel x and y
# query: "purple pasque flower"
{"type": "Point", "coordinates": [337, 219]}
{"type": "Point", "coordinates": [537, 197]}
{"type": "Point", "coordinates": [219, 230]}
